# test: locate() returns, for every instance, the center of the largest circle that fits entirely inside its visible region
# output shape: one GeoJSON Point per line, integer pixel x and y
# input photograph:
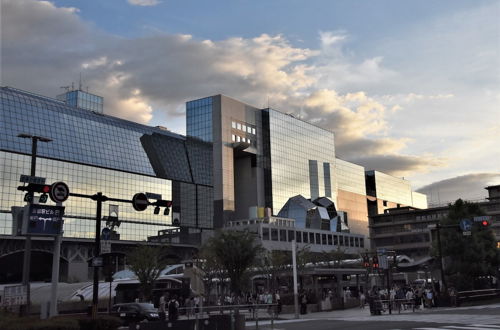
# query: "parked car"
{"type": "Point", "coordinates": [135, 312]}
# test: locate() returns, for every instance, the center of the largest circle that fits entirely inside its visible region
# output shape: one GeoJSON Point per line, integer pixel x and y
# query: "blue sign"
{"type": "Point", "coordinates": [466, 225]}
{"type": "Point", "coordinates": [43, 220]}
{"type": "Point", "coordinates": [105, 233]}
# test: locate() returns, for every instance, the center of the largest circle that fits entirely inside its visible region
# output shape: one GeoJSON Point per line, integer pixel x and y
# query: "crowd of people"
{"type": "Point", "coordinates": [403, 297]}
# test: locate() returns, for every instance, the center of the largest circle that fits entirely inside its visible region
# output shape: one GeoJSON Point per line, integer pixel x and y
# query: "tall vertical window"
{"type": "Point", "coordinates": [327, 178]}
{"type": "Point", "coordinates": [199, 119]}
{"type": "Point", "coordinates": [313, 179]}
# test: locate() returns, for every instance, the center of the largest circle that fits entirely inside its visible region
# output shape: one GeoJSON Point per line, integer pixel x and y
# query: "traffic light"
{"type": "Point", "coordinates": [375, 262]}
{"type": "Point", "coordinates": [36, 187]}
{"type": "Point", "coordinates": [43, 198]}
{"type": "Point", "coordinates": [485, 223]}
{"type": "Point", "coordinates": [366, 261]}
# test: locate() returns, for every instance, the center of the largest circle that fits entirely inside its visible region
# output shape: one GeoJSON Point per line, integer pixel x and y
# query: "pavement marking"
{"type": "Point", "coordinates": [469, 327]}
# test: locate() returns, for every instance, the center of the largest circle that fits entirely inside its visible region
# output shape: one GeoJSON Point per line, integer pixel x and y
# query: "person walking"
{"type": "Point", "coordinates": [453, 296]}
{"type": "Point", "coordinates": [173, 309]}
{"type": "Point", "coordinates": [162, 307]}
{"type": "Point", "coordinates": [303, 303]}
{"type": "Point", "coordinates": [277, 299]}
{"type": "Point", "coordinates": [362, 300]}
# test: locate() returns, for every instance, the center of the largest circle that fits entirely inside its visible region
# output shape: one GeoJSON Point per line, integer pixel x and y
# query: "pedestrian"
{"type": "Point", "coordinates": [453, 296]}
{"type": "Point", "coordinates": [362, 300]}
{"type": "Point", "coordinates": [303, 303]}
{"type": "Point", "coordinates": [173, 309]}
{"type": "Point", "coordinates": [277, 298]}
{"type": "Point", "coordinates": [162, 307]}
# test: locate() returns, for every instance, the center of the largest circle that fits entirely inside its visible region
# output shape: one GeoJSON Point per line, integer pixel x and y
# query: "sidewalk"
{"type": "Point", "coordinates": [345, 314]}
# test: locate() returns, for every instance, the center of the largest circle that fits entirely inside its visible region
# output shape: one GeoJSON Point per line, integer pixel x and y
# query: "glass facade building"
{"type": "Point", "coordinates": [299, 153]}
{"type": "Point", "coordinates": [83, 100]}
{"type": "Point", "coordinates": [93, 153]}
{"type": "Point", "coordinates": [199, 118]}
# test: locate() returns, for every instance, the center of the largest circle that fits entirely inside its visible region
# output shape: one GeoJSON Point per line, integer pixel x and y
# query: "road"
{"type": "Point", "coordinates": [486, 317]}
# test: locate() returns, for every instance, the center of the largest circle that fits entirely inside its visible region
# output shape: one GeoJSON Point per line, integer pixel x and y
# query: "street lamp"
{"type": "Point", "coordinates": [27, 247]}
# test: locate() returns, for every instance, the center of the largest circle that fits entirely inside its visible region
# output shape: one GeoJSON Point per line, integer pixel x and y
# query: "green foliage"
{"type": "Point", "coordinates": [235, 252]}
{"type": "Point", "coordinates": [147, 262]}
{"type": "Point", "coordinates": [467, 257]}
{"type": "Point", "coordinates": [271, 263]}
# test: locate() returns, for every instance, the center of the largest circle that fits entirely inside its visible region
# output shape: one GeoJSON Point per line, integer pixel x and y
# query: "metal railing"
{"type": "Point", "coordinates": [252, 312]}
{"type": "Point", "coordinates": [475, 295]}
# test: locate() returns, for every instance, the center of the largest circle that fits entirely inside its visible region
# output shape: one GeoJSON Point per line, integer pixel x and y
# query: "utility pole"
{"type": "Point", "coordinates": [27, 245]}
{"type": "Point", "coordinates": [295, 291]}
{"type": "Point", "coordinates": [441, 268]}
{"type": "Point", "coordinates": [97, 252]}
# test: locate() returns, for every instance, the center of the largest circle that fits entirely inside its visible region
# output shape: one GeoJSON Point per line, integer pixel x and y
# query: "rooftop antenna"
{"type": "Point", "coordinates": [80, 83]}
{"type": "Point", "coordinates": [72, 85]}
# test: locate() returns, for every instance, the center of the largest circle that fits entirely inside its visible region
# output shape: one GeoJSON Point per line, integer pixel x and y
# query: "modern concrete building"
{"type": "Point", "coordinates": [263, 157]}
{"type": "Point", "coordinates": [406, 229]}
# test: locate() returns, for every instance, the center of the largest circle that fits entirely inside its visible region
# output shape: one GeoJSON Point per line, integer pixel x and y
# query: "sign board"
{"type": "Point", "coordinates": [15, 295]}
{"type": "Point", "coordinates": [140, 202]}
{"type": "Point", "coordinates": [31, 179]}
{"type": "Point", "coordinates": [482, 218]}
{"type": "Point", "coordinates": [96, 262]}
{"type": "Point", "coordinates": [465, 225]}
{"type": "Point", "coordinates": [467, 233]}
{"type": "Point", "coordinates": [153, 196]}
{"type": "Point", "coordinates": [59, 192]}
{"type": "Point", "coordinates": [383, 261]}
{"type": "Point", "coordinates": [106, 233]}
{"type": "Point", "coordinates": [105, 246]}
{"type": "Point", "coordinates": [17, 220]}
{"type": "Point", "coordinates": [42, 220]}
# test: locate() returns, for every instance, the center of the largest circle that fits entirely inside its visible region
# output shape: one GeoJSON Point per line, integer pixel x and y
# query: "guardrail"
{"type": "Point", "coordinates": [233, 317]}
{"type": "Point", "coordinates": [378, 306]}
{"type": "Point", "coordinates": [475, 295]}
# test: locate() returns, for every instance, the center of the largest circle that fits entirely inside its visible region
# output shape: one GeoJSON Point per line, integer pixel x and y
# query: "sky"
{"type": "Point", "coordinates": [410, 88]}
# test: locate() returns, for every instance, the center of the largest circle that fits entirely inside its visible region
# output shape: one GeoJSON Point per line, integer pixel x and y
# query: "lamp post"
{"type": "Point", "coordinates": [27, 247]}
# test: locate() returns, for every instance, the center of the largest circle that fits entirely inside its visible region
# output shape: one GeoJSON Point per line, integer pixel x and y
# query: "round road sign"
{"type": "Point", "coordinates": [59, 192]}
{"type": "Point", "coordinates": [140, 202]}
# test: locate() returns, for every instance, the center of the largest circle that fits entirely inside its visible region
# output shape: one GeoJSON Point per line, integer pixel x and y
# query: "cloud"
{"type": "Point", "coordinates": [325, 86]}
{"type": "Point", "coordinates": [144, 2]}
{"type": "Point", "coordinates": [399, 164]}
{"type": "Point", "coordinates": [469, 187]}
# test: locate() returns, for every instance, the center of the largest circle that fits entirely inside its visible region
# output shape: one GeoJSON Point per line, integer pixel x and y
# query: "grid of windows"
{"type": "Point", "coordinates": [293, 143]}
{"type": "Point", "coordinates": [83, 100]}
{"type": "Point", "coordinates": [84, 180]}
{"type": "Point", "coordinates": [282, 235]}
{"type": "Point", "coordinates": [393, 189]}
{"type": "Point", "coordinates": [351, 177]}
{"type": "Point", "coordinates": [78, 135]}
{"type": "Point", "coordinates": [93, 152]}
{"type": "Point", "coordinates": [199, 119]}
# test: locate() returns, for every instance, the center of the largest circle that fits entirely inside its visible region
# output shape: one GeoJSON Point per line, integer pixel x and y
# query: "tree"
{"type": "Point", "coordinates": [147, 262]}
{"type": "Point", "coordinates": [209, 264]}
{"type": "Point", "coordinates": [272, 263]}
{"type": "Point", "coordinates": [467, 257]}
{"type": "Point", "coordinates": [235, 252]}
{"type": "Point", "coordinates": [333, 258]}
